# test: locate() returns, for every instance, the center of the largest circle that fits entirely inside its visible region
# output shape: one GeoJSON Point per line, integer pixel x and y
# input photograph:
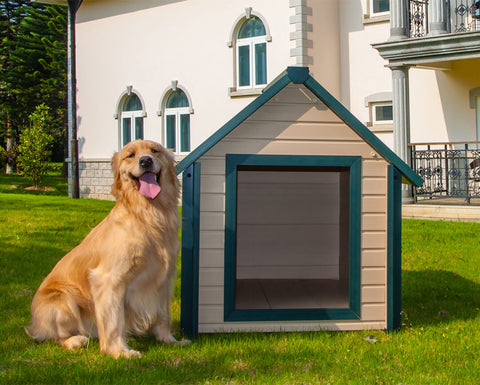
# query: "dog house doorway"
{"type": "Point", "coordinates": [291, 228]}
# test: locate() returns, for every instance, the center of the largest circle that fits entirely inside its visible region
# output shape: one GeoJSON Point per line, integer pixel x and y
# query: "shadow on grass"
{"type": "Point", "coordinates": [433, 296]}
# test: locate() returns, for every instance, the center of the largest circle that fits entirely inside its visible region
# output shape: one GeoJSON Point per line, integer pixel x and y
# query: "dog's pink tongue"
{"type": "Point", "coordinates": [149, 186]}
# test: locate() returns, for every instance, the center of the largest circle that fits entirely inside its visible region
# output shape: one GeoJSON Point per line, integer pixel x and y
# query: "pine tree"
{"type": "Point", "coordinates": [11, 117]}
{"type": "Point", "coordinates": [33, 67]}
{"type": "Point", "coordinates": [44, 35]}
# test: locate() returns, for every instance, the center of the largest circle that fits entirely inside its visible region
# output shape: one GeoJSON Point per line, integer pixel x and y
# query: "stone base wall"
{"type": "Point", "coordinates": [96, 179]}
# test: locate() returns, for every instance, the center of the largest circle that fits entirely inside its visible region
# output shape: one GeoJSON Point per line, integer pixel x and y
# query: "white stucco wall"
{"type": "Point", "coordinates": [146, 44]}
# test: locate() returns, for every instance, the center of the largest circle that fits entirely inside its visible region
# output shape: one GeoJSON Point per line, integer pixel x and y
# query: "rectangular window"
{"type": "Point", "coordinates": [244, 65]}
{"type": "Point", "coordinates": [379, 7]}
{"type": "Point", "coordinates": [382, 113]}
{"type": "Point", "coordinates": [138, 127]}
{"type": "Point", "coordinates": [290, 248]}
{"type": "Point", "coordinates": [126, 130]}
{"type": "Point", "coordinates": [185, 133]}
{"type": "Point", "coordinates": [261, 63]}
{"type": "Point", "coordinates": [170, 132]}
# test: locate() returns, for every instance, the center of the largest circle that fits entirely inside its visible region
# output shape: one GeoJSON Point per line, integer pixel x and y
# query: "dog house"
{"type": "Point", "coordinates": [292, 219]}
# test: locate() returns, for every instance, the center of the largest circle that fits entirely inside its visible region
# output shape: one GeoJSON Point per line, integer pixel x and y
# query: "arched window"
{"type": "Point", "coordinates": [132, 119]}
{"type": "Point", "coordinates": [251, 53]}
{"type": "Point", "coordinates": [177, 122]}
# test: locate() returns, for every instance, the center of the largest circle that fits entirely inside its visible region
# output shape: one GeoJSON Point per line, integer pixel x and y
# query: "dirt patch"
{"type": "Point", "coordinates": [32, 188]}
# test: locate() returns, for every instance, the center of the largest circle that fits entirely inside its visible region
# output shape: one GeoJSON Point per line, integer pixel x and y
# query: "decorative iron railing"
{"type": "Point", "coordinates": [462, 16]}
{"type": "Point", "coordinates": [449, 170]}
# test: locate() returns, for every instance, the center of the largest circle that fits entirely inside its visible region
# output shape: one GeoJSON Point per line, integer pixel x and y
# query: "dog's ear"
{"type": "Point", "coordinates": [116, 185]}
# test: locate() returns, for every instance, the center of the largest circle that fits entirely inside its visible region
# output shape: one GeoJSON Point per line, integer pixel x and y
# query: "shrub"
{"type": "Point", "coordinates": [35, 144]}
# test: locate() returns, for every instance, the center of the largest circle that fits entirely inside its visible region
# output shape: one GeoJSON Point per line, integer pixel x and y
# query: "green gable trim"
{"type": "Point", "coordinates": [233, 161]}
{"type": "Point", "coordinates": [300, 75]}
{"type": "Point", "coordinates": [282, 81]}
{"type": "Point", "coordinates": [344, 114]}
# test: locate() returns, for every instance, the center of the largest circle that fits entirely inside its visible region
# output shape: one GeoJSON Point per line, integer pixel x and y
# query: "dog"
{"type": "Point", "coordinates": [119, 280]}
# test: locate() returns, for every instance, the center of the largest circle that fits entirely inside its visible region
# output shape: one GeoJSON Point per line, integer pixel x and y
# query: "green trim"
{"type": "Point", "coordinates": [190, 250]}
{"type": "Point", "coordinates": [300, 75]}
{"type": "Point", "coordinates": [394, 249]}
{"type": "Point", "coordinates": [233, 161]}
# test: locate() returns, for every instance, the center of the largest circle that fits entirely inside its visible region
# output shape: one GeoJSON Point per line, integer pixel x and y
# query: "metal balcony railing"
{"type": "Point", "coordinates": [462, 16]}
{"type": "Point", "coordinates": [449, 170]}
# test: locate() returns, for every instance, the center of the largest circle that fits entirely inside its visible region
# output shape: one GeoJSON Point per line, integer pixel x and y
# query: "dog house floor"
{"type": "Point", "coordinates": [290, 294]}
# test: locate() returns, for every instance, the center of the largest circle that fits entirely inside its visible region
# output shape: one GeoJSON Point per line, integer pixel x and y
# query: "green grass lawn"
{"type": "Point", "coordinates": [439, 342]}
{"type": "Point", "coordinates": [18, 184]}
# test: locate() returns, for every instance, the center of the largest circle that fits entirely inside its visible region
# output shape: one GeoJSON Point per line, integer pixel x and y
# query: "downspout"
{"type": "Point", "coordinates": [73, 6]}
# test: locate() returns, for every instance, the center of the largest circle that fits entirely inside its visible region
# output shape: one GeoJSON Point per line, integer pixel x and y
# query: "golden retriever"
{"type": "Point", "coordinates": [119, 280]}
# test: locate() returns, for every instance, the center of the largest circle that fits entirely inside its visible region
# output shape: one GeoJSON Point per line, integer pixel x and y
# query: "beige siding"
{"type": "Point", "coordinates": [292, 124]}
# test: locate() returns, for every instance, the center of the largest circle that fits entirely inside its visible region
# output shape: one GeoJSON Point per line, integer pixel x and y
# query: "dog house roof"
{"type": "Point", "coordinates": [301, 75]}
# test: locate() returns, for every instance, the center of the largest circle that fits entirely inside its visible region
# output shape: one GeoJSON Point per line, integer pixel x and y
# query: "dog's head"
{"type": "Point", "coordinates": [145, 168]}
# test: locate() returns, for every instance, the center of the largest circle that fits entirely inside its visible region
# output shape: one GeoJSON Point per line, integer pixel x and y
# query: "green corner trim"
{"type": "Point", "coordinates": [190, 250]}
{"type": "Point", "coordinates": [394, 249]}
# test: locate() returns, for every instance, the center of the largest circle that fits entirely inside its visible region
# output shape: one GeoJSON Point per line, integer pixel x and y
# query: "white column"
{"type": "Point", "coordinates": [401, 119]}
{"type": "Point", "coordinates": [437, 15]}
{"type": "Point", "coordinates": [398, 19]}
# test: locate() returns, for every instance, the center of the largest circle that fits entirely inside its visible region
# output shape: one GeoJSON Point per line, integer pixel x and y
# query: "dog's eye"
{"type": "Point", "coordinates": [154, 150]}
{"type": "Point", "coordinates": [131, 155]}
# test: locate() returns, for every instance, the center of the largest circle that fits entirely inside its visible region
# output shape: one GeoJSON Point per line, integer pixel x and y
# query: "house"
{"type": "Point", "coordinates": [174, 70]}
{"type": "Point", "coordinates": [292, 218]}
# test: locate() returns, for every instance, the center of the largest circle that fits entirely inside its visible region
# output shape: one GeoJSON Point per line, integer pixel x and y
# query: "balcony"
{"type": "Point", "coordinates": [461, 16]}
{"type": "Point", "coordinates": [432, 33]}
{"type": "Point", "coordinates": [451, 172]}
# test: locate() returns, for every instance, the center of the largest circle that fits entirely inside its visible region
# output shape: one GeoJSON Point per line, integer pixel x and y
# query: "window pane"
{"type": "Point", "coordinates": [126, 130]}
{"type": "Point", "coordinates": [380, 6]}
{"type": "Point", "coordinates": [383, 113]}
{"type": "Point", "coordinates": [244, 65]}
{"type": "Point", "coordinates": [177, 99]}
{"type": "Point", "coordinates": [261, 63]}
{"type": "Point", "coordinates": [139, 128]}
{"type": "Point", "coordinates": [251, 28]}
{"type": "Point", "coordinates": [185, 133]}
{"type": "Point", "coordinates": [132, 103]}
{"type": "Point", "coordinates": [170, 132]}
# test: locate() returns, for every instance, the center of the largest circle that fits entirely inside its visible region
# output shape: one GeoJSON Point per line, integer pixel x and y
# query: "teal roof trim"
{"type": "Point", "coordinates": [344, 114]}
{"type": "Point", "coordinates": [276, 86]}
{"type": "Point", "coordinates": [300, 75]}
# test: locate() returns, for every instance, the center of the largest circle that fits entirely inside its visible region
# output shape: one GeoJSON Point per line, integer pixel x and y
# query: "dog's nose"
{"type": "Point", "coordinates": [145, 161]}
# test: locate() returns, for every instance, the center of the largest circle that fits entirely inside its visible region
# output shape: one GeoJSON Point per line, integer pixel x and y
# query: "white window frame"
{"type": "Point", "coordinates": [251, 42]}
{"type": "Point", "coordinates": [177, 112]}
{"type": "Point", "coordinates": [131, 115]}
{"type": "Point", "coordinates": [375, 14]}
{"type": "Point", "coordinates": [375, 121]}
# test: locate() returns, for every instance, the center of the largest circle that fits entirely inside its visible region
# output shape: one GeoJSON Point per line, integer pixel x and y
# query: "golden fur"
{"type": "Point", "coordinates": [119, 280]}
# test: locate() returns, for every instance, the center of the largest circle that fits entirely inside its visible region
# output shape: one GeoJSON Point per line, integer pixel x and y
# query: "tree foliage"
{"type": "Point", "coordinates": [34, 149]}
{"type": "Point", "coordinates": [33, 67]}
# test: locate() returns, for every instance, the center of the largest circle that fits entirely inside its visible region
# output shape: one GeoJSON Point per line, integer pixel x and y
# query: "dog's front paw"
{"type": "Point", "coordinates": [126, 354]}
{"type": "Point", "coordinates": [183, 342]}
